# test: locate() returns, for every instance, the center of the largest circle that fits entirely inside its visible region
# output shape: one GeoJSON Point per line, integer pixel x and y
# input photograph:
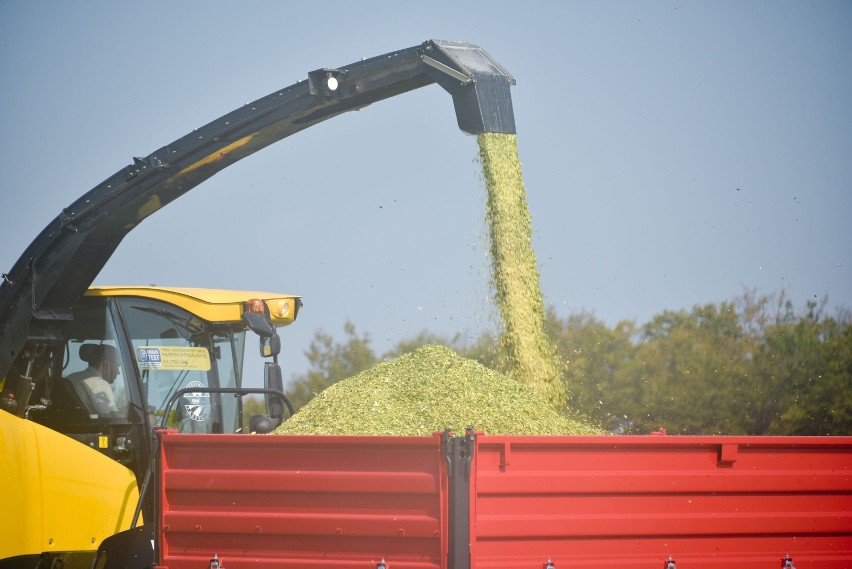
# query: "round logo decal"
{"type": "Point", "coordinates": [196, 404]}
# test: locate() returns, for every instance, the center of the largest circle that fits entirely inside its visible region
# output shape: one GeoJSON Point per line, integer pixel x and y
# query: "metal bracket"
{"type": "Point", "coordinates": [447, 447]}
{"type": "Point", "coordinates": [461, 77]}
{"type": "Point", "coordinates": [728, 453]}
{"type": "Point", "coordinates": [468, 447]}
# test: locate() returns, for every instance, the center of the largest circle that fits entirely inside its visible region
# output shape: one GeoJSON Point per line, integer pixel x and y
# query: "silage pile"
{"type": "Point", "coordinates": [430, 390]}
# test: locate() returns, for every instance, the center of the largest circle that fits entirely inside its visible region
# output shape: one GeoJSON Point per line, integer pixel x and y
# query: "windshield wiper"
{"type": "Point", "coordinates": [193, 326]}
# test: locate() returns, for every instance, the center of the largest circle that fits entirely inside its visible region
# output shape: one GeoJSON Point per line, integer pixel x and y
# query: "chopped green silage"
{"type": "Point", "coordinates": [426, 391]}
{"type": "Point", "coordinates": [525, 351]}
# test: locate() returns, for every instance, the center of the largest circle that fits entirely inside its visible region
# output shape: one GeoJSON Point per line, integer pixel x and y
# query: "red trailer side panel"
{"type": "Point", "coordinates": [288, 501]}
{"type": "Point", "coordinates": [704, 502]}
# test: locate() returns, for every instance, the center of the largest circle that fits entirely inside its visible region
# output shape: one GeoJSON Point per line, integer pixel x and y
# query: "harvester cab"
{"type": "Point", "coordinates": [135, 358]}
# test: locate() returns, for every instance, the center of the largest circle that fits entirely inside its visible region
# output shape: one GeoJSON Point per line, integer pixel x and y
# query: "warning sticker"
{"type": "Point", "coordinates": [173, 357]}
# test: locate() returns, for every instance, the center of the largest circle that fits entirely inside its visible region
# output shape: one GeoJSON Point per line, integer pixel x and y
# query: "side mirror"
{"type": "Point", "coordinates": [271, 346]}
{"type": "Point", "coordinates": [258, 324]}
{"type": "Point", "coordinates": [270, 342]}
{"type": "Point", "coordinates": [272, 380]}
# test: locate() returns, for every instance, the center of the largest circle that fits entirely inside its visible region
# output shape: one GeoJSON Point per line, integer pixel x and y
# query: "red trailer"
{"type": "Point", "coordinates": [694, 502]}
{"type": "Point", "coordinates": [503, 502]}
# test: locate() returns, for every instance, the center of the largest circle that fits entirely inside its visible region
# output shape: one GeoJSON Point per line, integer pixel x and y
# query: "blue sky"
{"type": "Point", "coordinates": [674, 153]}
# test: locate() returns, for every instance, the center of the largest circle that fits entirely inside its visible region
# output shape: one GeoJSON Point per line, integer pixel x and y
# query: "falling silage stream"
{"type": "Point", "coordinates": [525, 350]}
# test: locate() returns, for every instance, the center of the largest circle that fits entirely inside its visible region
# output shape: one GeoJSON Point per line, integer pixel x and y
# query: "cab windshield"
{"type": "Point", "coordinates": [175, 350]}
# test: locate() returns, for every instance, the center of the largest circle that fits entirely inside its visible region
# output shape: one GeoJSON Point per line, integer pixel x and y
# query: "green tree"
{"type": "Point", "coordinates": [806, 362]}
{"type": "Point", "coordinates": [593, 356]}
{"type": "Point", "coordinates": [827, 405]}
{"type": "Point", "coordinates": [330, 362]}
{"type": "Point", "coordinates": [689, 372]}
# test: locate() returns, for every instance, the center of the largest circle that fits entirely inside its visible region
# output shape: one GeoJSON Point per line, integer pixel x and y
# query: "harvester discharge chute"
{"type": "Point", "coordinates": [56, 269]}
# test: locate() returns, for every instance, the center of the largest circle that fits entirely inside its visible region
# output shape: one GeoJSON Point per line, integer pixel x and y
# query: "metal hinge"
{"type": "Point", "coordinates": [459, 448]}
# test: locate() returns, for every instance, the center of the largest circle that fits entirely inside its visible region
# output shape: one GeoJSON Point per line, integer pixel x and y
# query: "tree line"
{"type": "Point", "coordinates": [751, 366]}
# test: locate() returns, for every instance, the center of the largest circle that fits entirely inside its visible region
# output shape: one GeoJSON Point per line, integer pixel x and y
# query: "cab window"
{"type": "Point", "coordinates": [173, 350]}
{"type": "Point", "coordinates": [93, 371]}
{"type": "Point", "coordinates": [230, 348]}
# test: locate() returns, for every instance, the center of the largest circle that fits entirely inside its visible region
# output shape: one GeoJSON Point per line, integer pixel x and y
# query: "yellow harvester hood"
{"type": "Point", "coordinates": [58, 495]}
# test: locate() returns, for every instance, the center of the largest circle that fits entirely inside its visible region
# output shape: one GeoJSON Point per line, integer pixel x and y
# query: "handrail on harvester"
{"type": "Point", "coordinates": [63, 261]}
